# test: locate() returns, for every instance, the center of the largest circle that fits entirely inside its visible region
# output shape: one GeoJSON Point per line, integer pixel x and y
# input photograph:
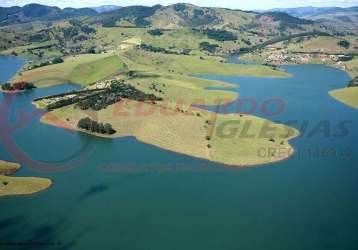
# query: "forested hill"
{"type": "Point", "coordinates": [341, 20]}
{"type": "Point", "coordinates": [34, 12]}
{"type": "Point", "coordinates": [172, 16]}
{"type": "Point", "coordinates": [310, 11]}
{"type": "Point", "coordinates": [75, 31]}
{"type": "Point", "coordinates": [187, 15]}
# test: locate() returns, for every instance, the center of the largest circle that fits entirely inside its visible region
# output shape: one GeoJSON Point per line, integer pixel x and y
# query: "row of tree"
{"type": "Point", "coordinates": [151, 48]}
{"type": "Point", "coordinates": [46, 63]}
{"type": "Point", "coordinates": [95, 127]}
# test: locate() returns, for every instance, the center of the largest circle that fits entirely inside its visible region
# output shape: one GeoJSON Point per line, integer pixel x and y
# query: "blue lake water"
{"type": "Point", "coordinates": [128, 195]}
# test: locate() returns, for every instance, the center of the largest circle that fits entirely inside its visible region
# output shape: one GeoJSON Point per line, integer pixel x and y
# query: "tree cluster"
{"type": "Point", "coordinates": [62, 103]}
{"type": "Point", "coordinates": [208, 47]}
{"type": "Point", "coordinates": [114, 94]}
{"type": "Point", "coordinates": [220, 35]}
{"type": "Point", "coordinates": [344, 44]}
{"type": "Point", "coordinates": [95, 127]}
{"type": "Point", "coordinates": [151, 48]}
{"type": "Point", "coordinates": [98, 101]}
{"type": "Point", "coordinates": [353, 82]}
{"type": "Point", "coordinates": [101, 99]}
{"type": "Point", "coordinates": [17, 86]}
{"type": "Point", "coordinates": [156, 32]}
{"type": "Point", "coordinates": [57, 60]}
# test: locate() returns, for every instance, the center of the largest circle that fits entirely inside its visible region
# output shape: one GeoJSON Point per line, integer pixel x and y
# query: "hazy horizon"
{"type": "Point", "coordinates": [239, 4]}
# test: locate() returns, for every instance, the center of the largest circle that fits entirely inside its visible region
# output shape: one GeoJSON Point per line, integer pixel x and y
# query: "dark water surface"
{"type": "Point", "coordinates": [128, 195]}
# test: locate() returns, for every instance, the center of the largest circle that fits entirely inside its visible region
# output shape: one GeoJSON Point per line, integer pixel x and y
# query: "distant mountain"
{"type": "Point", "coordinates": [188, 15]}
{"type": "Point", "coordinates": [106, 8]}
{"type": "Point", "coordinates": [304, 11]}
{"type": "Point", "coordinates": [310, 11]}
{"type": "Point", "coordinates": [340, 20]}
{"type": "Point", "coordinates": [170, 17]}
{"type": "Point", "coordinates": [241, 29]}
{"type": "Point", "coordinates": [32, 12]}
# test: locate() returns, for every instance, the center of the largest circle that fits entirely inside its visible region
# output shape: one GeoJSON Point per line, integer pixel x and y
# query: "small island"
{"type": "Point", "coordinates": [19, 185]}
{"type": "Point", "coordinates": [17, 87]}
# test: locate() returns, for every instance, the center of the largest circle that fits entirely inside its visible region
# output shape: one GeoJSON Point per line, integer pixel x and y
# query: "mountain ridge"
{"type": "Point", "coordinates": [33, 12]}
{"type": "Point", "coordinates": [106, 8]}
{"type": "Point", "coordinates": [310, 10]}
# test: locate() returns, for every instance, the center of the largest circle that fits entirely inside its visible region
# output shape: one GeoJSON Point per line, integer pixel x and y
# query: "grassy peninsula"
{"type": "Point", "coordinates": [348, 96]}
{"type": "Point", "coordinates": [193, 132]}
{"type": "Point", "coordinates": [173, 123]}
{"type": "Point", "coordinates": [19, 185]}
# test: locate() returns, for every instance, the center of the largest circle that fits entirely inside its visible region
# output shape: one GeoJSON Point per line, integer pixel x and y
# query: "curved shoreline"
{"type": "Point", "coordinates": [187, 145]}
{"type": "Point", "coordinates": [292, 152]}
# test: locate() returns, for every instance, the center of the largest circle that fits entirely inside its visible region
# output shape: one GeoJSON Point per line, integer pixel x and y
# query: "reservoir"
{"type": "Point", "coordinates": [124, 194]}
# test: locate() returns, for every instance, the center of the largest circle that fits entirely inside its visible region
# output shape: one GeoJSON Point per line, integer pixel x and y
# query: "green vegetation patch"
{"type": "Point", "coordinates": [91, 72]}
{"type": "Point", "coordinates": [220, 35]}
{"type": "Point", "coordinates": [82, 69]}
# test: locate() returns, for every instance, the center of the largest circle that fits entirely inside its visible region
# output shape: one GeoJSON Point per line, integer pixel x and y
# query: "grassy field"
{"type": "Point", "coordinates": [348, 96]}
{"type": "Point", "coordinates": [186, 65]}
{"type": "Point", "coordinates": [193, 132]}
{"type": "Point", "coordinates": [81, 69]}
{"type": "Point", "coordinates": [19, 185]}
{"type": "Point", "coordinates": [188, 89]}
{"type": "Point", "coordinates": [23, 49]}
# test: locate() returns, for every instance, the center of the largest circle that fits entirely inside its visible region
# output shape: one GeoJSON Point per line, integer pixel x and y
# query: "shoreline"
{"type": "Point", "coordinates": [210, 155]}
{"type": "Point", "coordinates": [345, 95]}
{"type": "Point", "coordinates": [228, 165]}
